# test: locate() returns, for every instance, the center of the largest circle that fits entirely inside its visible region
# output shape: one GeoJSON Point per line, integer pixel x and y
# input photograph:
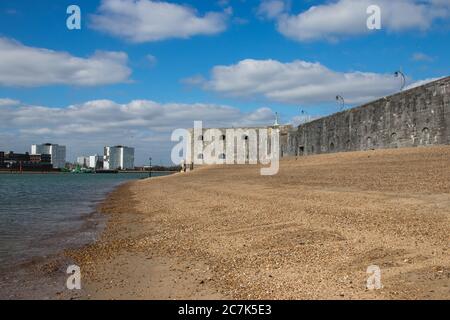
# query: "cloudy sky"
{"type": "Point", "coordinates": [138, 69]}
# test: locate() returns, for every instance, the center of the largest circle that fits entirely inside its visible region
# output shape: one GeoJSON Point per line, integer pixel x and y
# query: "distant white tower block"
{"type": "Point", "coordinates": [118, 158]}
{"type": "Point", "coordinates": [57, 153]}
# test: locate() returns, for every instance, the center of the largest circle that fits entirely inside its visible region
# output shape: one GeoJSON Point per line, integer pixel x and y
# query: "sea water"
{"type": "Point", "coordinates": [40, 214]}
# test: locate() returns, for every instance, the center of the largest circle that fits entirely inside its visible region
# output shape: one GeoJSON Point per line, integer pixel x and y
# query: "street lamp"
{"type": "Point", "coordinates": [340, 99]}
{"type": "Point", "coordinates": [398, 74]}
{"type": "Point", "coordinates": [303, 116]}
{"type": "Point", "coordinates": [276, 124]}
{"type": "Point", "coordinates": [150, 169]}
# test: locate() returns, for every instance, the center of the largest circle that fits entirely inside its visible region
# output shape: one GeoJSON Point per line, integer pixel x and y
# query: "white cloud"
{"type": "Point", "coordinates": [297, 82]}
{"type": "Point", "coordinates": [271, 8]}
{"type": "Point", "coordinates": [422, 57]}
{"type": "Point", "coordinates": [194, 80]}
{"type": "Point", "coordinates": [298, 120]}
{"type": "Point", "coordinates": [8, 102]}
{"type": "Point", "coordinates": [151, 59]}
{"type": "Point", "coordinates": [21, 65]}
{"type": "Point", "coordinates": [85, 128]}
{"type": "Point", "coordinates": [332, 21]}
{"type": "Point", "coordinates": [421, 83]}
{"type": "Point", "coordinates": [146, 20]}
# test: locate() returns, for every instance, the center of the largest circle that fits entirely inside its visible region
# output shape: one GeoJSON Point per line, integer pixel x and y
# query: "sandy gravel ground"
{"type": "Point", "coordinates": [309, 232]}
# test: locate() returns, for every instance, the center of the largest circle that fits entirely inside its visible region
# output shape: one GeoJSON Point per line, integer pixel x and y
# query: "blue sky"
{"type": "Point", "coordinates": [226, 62]}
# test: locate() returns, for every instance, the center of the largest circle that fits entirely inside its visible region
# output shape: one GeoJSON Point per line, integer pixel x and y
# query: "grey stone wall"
{"type": "Point", "coordinates": [416, 117]}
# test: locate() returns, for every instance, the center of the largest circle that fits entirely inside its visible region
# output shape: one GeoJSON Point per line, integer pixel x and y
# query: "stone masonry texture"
{"type": "Point", "coordinates": [416, 117]}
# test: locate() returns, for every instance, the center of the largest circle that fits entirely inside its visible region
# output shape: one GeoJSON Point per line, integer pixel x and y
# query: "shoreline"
{"type": "Point", "coordinates": [60, 172]}
{"type": "Point", "coordinates": [44, 276]}
{"type": "Point", "coordinates": [309, 232]}
{"type": "Point", "coordinates": [196, 236]}
{"type": "Point", "coordinates": [168, 276]}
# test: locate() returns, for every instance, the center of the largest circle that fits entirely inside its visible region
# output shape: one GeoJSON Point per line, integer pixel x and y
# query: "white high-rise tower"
{"type": "Point", "coordinates": [118, 157]}
{"type": "Point", "coordinates": [57, 153]}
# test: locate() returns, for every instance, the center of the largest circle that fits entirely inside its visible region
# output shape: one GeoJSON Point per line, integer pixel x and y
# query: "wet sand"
{"type": "Point", "coordinates": [43, 277]}
{"type": "Point", "coordinates": [309, 232]}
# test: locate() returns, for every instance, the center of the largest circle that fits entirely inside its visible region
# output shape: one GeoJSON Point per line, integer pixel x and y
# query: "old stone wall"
{"type": "Point", "coordinates": [246, 137]}
{"type": "Point", "coordinates": [416, 117]}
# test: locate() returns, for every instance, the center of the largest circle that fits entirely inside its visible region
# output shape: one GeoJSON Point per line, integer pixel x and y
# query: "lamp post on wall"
{"type": "Point", "coordinates": [150, 169]}
{"type": "Point", "coordinates": [402, 75]}
{"type": "Point", "coordinates": [303, 116]}
{"type": "Point", "coordinates": [303, 112]}
{"type": "Point", "coordinates": [340, 99]}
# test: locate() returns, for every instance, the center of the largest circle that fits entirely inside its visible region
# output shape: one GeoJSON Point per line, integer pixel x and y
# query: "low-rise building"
{"type": "Point", "coordinates": [25, 161]}
{"type": "Point", "coordinates": [12, 157]}
{"type": "Point", "coordinates": [40, 158]}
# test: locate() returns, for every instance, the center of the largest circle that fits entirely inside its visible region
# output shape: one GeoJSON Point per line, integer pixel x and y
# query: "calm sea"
{"type": "Point", "coordinates": [41, 214]}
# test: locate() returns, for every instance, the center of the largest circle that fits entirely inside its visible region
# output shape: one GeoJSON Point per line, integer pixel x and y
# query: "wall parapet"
{"type": "Point", "coordinates": [416, 117]}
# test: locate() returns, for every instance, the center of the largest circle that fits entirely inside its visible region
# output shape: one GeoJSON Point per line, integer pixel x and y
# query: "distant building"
{"type": "Point", "coordinates": [25, 161]}
{"type": "Point", "coordinates": [118, 157]}
{"type": "Point", "coordinates": [57, 153]}
{"type": "Point", "coordinates": [83, 161]}
{"type": "Point", "coordinates": [12, 157]}
{"type": "Point", "coordinates": [243, 139]}
{"type": "Point", "coordinates": [93, 162]}
{"type": "Point", "coordinates": [41, 158]}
